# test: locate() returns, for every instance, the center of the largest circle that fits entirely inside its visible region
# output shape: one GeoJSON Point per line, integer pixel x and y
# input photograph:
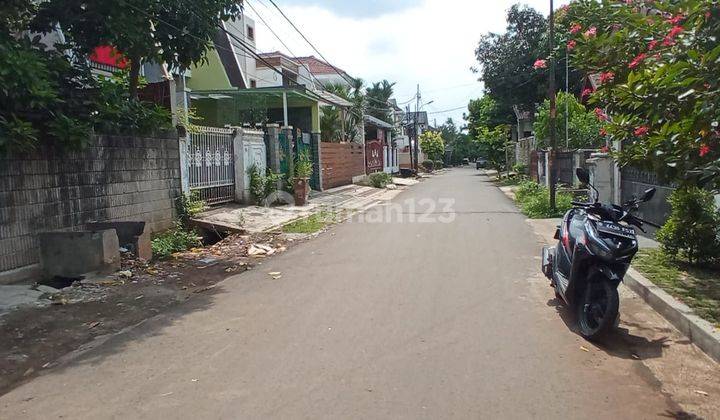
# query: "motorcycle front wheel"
{"type": "Point", "coordinates": [597, 309]}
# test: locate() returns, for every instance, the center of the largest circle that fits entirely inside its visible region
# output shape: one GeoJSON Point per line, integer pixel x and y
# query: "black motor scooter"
{"type": "Point", "coordinates": [596, 243]}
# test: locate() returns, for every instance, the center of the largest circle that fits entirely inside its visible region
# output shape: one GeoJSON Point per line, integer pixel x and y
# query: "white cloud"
{"type": "Point", "coordinates": [431, 44]}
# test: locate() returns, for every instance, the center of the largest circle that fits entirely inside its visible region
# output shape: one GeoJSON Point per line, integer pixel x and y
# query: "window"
{"type": "Point", "coordinates": [253, 83]}
{"type": "Point", "coordinates": [251, 33]}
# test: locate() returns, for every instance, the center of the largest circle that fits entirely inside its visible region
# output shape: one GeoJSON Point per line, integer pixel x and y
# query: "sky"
{"type": "Point", "coordinates": [430, 42]}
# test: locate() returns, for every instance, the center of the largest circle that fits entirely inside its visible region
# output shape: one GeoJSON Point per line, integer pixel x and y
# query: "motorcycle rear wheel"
{"type": "Point", "coordinates": [598, 310]}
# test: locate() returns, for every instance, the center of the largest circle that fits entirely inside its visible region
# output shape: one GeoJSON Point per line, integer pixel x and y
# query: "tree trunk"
{"type": "Point", "coordinates": [134, 77]}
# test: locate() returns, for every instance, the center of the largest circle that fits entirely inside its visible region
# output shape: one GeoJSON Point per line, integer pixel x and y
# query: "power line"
{"type": "Point", "coordinates": [344, 76]}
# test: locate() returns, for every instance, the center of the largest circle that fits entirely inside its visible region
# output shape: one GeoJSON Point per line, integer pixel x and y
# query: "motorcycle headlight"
{"type": "Point", "coordinates": [597, 245]}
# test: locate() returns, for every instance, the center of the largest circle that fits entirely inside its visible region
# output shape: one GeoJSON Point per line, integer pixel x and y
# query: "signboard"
{"type": "Point", "coordinates": [374, 156]}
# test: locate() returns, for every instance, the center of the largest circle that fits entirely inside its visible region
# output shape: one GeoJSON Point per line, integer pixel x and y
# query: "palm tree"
{"type": "Point", "coordinates": [378, 100]}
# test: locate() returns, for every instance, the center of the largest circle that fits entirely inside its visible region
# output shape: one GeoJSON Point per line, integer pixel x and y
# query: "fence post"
{"type": "Point", "coordinates": [240, 169]}
{"type": "Point", "coordinates": [317, 179]}
{"type": "Point", "coordinates": [290, 158]}
{"type": "Point", "coordinates": [273, 131]}
{"type": "Point", "coordinates": [183, 140]}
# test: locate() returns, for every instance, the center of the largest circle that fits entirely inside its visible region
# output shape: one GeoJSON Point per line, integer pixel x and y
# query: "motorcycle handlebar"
{"type": "Point", "coordinates": [579, 204]}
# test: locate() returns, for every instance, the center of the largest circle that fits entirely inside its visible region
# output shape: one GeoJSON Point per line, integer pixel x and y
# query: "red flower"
{"type": "Point", "coordinates": [668, 42]}
{"type": "Point", "coordinates": [642, 131]}
{"type": "Point", "coordinates": [608, 76]}
{"type": "Point", "coordinates": [540, 64]}
{"type": "Point", "coordinates": [591, 32]}
{"type": "Point", "coordinates": [676, 20]}
{"type": "Point", "coordinates": [586, 92]}
{"type": "Point", "coordinates": [653, 44]}
{"type": "Point", "coordinates": [704, 150]}
{"type": "Point", "coordinates": [637, 60]}
{"type": "Point", "coordinates": [601, 115]}
{"type": "Point", "coordinates": [603, 132]}
{"type": "Point", "coordinates": [575, 28]}
{"type": "Point", "coordinates": [604, 149]}
{"type": "Point", "coordinates": [675, 31]}
{"type": "Point", "coordinates": [571, 44]}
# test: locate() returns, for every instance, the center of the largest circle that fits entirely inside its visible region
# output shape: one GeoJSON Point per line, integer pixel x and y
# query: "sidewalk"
{"type": "Point", "coordinates": [341, 200]}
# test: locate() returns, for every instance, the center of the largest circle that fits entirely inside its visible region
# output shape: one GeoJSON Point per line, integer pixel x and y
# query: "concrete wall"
{"type": "Point", "coordinates": [340, 163]}
{"type": "Point", "coordinates": [114, 178]}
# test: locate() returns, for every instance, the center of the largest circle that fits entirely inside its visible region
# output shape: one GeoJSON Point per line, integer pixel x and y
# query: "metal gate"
{"type": "Point", "coordinates": [212, 166]}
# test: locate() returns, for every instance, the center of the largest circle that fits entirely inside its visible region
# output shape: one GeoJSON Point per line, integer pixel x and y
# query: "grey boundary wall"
{"type": "Point", "coordinates": [115, 178]}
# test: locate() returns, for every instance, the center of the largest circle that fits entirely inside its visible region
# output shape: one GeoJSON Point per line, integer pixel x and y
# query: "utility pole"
{"type": "Point", "coordinates": [567, 102]}
{"type": "Point", "coordinates": [553, 109]}
{"type": "Point", "coordinates": [415, 129]}
{"type": "Point", "coordinates": [410, 138]}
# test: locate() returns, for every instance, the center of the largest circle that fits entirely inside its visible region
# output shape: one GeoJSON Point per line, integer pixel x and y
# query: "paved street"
{"type": "Point", "coordinates": [370, 320]}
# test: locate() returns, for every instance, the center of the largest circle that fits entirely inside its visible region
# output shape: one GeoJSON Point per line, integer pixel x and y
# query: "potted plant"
{"type": "Point", "coordinates": [301, 181]}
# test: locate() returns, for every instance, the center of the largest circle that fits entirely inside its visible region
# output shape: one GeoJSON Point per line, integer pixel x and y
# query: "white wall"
{"type": "Point", "coordinates": [239, 28]}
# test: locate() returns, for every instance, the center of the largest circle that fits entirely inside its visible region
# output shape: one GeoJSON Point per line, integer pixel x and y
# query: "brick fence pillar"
{"type": "Point", "coordinates": [316, 182]}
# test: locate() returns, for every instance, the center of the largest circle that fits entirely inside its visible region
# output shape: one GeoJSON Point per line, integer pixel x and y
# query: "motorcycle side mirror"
{"type": "Point", "coordinates": [648, 195]}
{"type": "Point", "coordinates": [583, 175]}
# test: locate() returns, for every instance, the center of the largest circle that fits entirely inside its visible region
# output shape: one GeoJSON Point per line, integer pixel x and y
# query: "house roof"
{"type": "Point", "coordinates": [318, 66]}
{"type": "Point", "coordinates": [376, 122]}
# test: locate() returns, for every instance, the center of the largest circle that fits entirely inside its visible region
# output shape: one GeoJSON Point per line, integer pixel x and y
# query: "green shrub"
{"type": "Point", "coordinates": [534, 201]}
{"type": "Point", "coordinates": [380, 179]}
{"type": "Point", "coordinates": [262, 185]}
{"type": "Point", "coordinates": [429, 165]}
{"type": "Point", "coordinates": [519, 168]}
{"type": "Point", "coordinates": [303, 166]}
{"type": "Point", "coordinates": [189, 206]}
{"type": "Point", "coordinates": [439, 164]}
{"type": "Point", "coordinates": [177, 239]}
{"type": "Point", "coordinates": [527, 188]}
{"type": "Point", "coordinates": [691, 232]}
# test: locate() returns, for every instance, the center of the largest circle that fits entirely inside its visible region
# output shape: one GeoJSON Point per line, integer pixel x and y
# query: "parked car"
{"type": "Point", "coordinates": [480, 163]}
{"type": "Point", "coordinates": [466, 161]}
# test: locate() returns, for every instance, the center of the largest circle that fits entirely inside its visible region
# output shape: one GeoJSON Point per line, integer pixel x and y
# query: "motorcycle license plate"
{"type": "Point", "coordinates": [616, 229]}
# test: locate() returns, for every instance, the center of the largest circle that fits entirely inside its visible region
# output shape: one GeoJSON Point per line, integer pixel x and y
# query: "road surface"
{"type": "Point", "coordinates": [444, 317]}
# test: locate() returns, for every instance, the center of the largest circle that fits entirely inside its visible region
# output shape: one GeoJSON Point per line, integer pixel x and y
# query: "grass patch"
{"type": "Point", "coordinates": [698, 288]}
{"type": "Point", "coordinates": [310, 224]}
{"type": "Point", "coordinates": [534, 201]}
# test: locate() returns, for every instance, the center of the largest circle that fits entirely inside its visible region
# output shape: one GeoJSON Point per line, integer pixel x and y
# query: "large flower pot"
{"type": "Point", "coordinates": [301, 187]}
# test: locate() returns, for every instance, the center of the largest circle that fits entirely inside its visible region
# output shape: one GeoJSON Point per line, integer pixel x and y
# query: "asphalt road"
{"type": "Point", "coordinates": [440, 315]}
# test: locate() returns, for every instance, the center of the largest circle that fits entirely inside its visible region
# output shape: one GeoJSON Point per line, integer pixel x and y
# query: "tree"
{"type": "Point", "coordinates": [378, 97]}
{"type": "Point", "coordinates": [431, 143]}
{"type": "Point", "coordinates": [484, 112]}
{"type": "Point", "coordinates": [584, 127]}
{"type": "Point", "coordinates": [507, 59]}
{"type": "Point", "coordinates": [660, 84]}
{"type": "Point", "coordinates": [344, 125]}
{"type": "Point", "coordinates": [176, 33]}
{"type": "Point", "coordinates": [492, 143]}
{"type": "Point", "coordinates": [507, 63]}
{"type": "Point", "coordinates": [458, 141]}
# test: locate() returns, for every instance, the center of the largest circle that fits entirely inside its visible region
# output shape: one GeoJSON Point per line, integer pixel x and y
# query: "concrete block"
{"type": "Point", "coordinates": [135, 236]}
{"type": "Point", "coordinates": [74, 254]}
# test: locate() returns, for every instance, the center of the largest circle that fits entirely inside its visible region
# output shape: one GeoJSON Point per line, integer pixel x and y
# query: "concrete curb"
{"type": "Point", "coordinates": [700, 332]}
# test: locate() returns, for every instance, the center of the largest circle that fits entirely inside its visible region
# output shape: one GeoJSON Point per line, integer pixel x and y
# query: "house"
{"type": "Point", "coordinates": [525, 118]}
{"type": "Point", "coordinates": [240, 86]}
{"type": "Point", "coordinates": [325, 73]}
{"type": "Point", "coordinates": [381, 152]}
